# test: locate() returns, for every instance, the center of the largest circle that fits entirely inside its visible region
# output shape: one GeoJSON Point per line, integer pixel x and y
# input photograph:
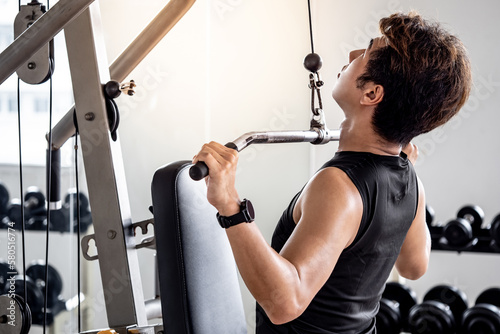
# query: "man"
{"type": "Point", "coordinates": [364, 211]}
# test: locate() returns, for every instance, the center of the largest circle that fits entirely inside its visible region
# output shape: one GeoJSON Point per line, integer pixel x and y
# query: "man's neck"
{"type": "Point", "coordinates": [358, 135]}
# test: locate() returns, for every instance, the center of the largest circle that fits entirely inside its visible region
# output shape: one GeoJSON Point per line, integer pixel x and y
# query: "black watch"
{"type": "Point", "coordinates": [246, 215]}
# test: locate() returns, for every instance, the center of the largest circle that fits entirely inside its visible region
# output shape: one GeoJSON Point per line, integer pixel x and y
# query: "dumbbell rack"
{"type": "Point", "coordinates": [482, 244]}
{"type": "Point", "coordinates": [465, 233]}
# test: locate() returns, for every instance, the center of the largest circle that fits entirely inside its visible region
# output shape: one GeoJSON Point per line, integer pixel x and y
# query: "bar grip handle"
{"type": "Point", "coordinates": [200, 170]}
{"type": "Point", "coordinates": [55, 175]}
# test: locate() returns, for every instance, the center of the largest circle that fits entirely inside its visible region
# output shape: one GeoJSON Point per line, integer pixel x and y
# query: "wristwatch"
{"type": "Point", "coordinates": [246, 215]}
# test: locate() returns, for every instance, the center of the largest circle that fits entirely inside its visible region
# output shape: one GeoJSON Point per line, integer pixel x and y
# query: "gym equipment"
{"type": "Point", "coordinates": [35, 289]}
{"type": "Point", "coordinates": [397, 300]}
{"type": "Point", "coordinates": [40, 66]}
{"type": "Point", "coordinates": [34, 205]}
{"type": "Point", "coordinates": [318, 133]}
{"type": "Point", "coordinates": [314, 136]}
{"type": "Point", "coordinates": [4, 200]}
{"type": "Point", "coordinates": [484, 317]}
{"type": "Point", "coordinates": [495, 233]}
{"type": "Point", "coordinates": [5, 269]}
{"type": "Point", "coordinates": [34, 295]}
{"type": "Point", "coordinates": [15, 315]}
{"type": "Point", "coordinates": [105, 180]}
{"type": "Point", "coordinates": [198, 280]}
{"type": "Point", "coordinates": [468, 233]}
{"type": "Point", "coordinates": [435, 229]}
{"type": "Point", "coordinates": [60, 219]}
{"type": "Point", "coordinates": [459, 234]}
{"type": "Point", "coordinates": [36, 271]}
{"type": "Point", "coordinates": [440, 312]}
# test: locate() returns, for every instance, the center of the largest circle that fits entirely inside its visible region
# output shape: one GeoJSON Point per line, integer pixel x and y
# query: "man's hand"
{"type": "Point", "coordinates": [411, 150]}
{"type": "Point", "coordinates": [222, 162]}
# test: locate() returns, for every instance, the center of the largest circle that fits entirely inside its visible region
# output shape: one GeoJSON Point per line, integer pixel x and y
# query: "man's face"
{"type": "Point", "coordinates": [345, 91]}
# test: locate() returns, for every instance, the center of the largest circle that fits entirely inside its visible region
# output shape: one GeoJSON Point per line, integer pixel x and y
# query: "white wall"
{"type": "Point", "coordinates": [233, 66]}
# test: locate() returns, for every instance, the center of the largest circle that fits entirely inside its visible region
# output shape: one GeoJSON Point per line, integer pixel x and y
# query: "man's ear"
{"type": "Point", "coordinates": [372, 94]}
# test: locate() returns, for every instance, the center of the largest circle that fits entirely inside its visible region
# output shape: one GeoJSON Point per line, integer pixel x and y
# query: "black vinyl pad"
{"type": "Point", "coordinates": [199, 287]}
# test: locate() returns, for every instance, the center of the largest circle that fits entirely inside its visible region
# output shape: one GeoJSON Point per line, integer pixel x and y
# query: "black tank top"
{"type": "Point", "coordinates": [349, 300]}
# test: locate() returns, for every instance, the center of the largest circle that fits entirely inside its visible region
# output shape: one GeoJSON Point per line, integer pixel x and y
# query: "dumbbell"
{"type": "Point", "coordinates": [35, 289]}
{"type": "Point", "coordinates": [395, 305]}
{"type": "Point", "coordinates": [495, 233]}
{"type": "Point", "coordinates": [484, 317]}
{"type": "Point", "coordinates": [85, 215]}
{"type": "Point", "coordinates": [60, 219]}
{"type": "Point", "coordinates": [436, 230]}
{"type": "Point", "coordinates": [36, 271]}
{"type": "Point", "coordinates": [4, 199]}
{"type": "Point", "coordinates": [4, 207]}
{"type": "Point", "coordinates": [34, 205]}
{"type": "Point", "coordinates": [5, 269]}
{"type": "Point", "coordinates": [460, 233]}
{"type": "Point", "coordinates": [440, 312]}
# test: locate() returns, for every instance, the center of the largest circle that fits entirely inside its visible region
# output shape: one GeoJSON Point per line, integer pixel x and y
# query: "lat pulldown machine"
{"type": "Point", "coordinates": [94, 84]}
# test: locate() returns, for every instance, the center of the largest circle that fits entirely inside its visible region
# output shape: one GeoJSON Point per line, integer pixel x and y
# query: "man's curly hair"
{"type": "Point", "coordinates": [426, 75]}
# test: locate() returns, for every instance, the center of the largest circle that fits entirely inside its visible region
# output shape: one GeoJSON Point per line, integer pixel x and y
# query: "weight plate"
{"type": "Point", "coordinates": [450, 296]}
{"type": "Point", "coordinates": [473, 214]}
{"type": "Point", "coordinates": [431, 317]}
{"type": "Point", "coordinates": [458, 233]}
{"type": "Point", "coordinates": [429, 214]}
{"type": "Point", "coordinates": [34, 200]}
{"type": "Point", "coordinates": [481, 319]}
{"type": "Point", "coordinates": [4, 199]}
{"type": "Point", "coordinates": [26, 312]}
{"type": "Point", "coordinates": [11, 316]}
{"type": "Point", "coordinates": [404, 296]}
{"type": "Point", "coordinates": [5, 268]}
{"type": "Point", "coordinates": [15, 212]}
{"type": "Point", "coordinates": [388, 319]}
{"type": "Point", "coordinates": [489, 296]}
{"type": "Point", "coordinates": [84, 201]}
{"type": "Point", "coordinates": [34, 294]}
{"type": "Point", "coordinates": [495, 230]}
{"type": "Point", "coordinates": [37, 272]}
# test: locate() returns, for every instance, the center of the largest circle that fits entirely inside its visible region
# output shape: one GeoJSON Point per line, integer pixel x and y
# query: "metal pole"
{"type": "Point", "coordinates": [127, 61]}
{"type": "Point", "coordinates": [148, 38]}
{"type": "Point", "coordinates": [118, 262]}
{"type": "Point", "coordinates": [39, 34]}
{"type": "Point", "coordinates": [270, 137]}
{"type": "Point", "coordinates": [313, 136]}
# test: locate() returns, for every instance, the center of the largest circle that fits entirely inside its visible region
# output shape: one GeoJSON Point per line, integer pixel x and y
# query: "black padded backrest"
{"type": "Point", "coordinates": [199, 287]}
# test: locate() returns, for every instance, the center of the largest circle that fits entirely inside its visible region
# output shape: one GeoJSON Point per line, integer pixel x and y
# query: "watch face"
{"type": "Point", "coordinates": [250, 210]}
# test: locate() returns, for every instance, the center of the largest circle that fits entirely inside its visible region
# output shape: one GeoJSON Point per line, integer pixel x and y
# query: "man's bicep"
{"type": "Point", "coordinates": [331, 210]}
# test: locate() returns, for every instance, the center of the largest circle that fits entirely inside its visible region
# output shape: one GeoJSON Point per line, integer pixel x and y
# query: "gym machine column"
{"type": "Point", "coordinates": [117, 256]}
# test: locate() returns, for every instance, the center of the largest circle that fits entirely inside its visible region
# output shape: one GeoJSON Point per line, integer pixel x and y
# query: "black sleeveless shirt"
{"type": "Point", "coordinates": [349, 300]}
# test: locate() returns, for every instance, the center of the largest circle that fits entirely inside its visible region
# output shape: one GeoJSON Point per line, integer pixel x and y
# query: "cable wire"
{"type": "Point", "coordinates": [310, 25]}
{"type": "Point", "coordinates": [49, 181]}
{"type": "Point", "coordinates": [78, 228]}
{"type": "Point", "coordinates": [21, 186]}
{"type": "Point", "coordinates": [49, 186]}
